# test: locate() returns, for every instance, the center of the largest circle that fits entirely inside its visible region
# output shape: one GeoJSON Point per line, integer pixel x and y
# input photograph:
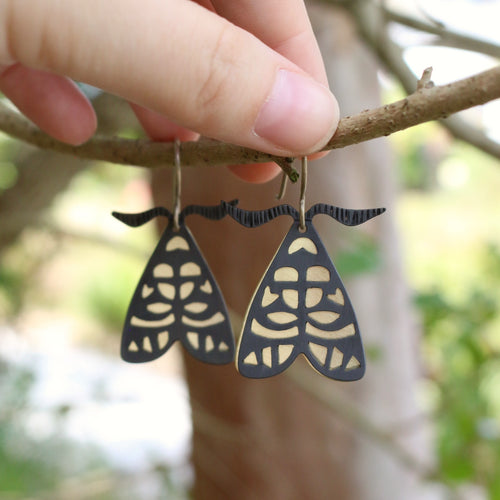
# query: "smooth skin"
{"type": "Point", "coordinates": [247, 72]}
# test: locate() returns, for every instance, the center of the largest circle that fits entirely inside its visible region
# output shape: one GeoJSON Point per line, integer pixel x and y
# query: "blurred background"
{"type": "Point", "coordinates": [76, 422]}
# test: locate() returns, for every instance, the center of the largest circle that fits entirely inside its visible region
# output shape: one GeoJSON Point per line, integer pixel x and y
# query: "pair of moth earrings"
{"type": "Point", "coordinates": [300, 305]}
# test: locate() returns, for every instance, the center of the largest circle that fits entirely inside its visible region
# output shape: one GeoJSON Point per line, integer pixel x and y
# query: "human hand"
{"type": "Point", "coordinates": [247, 72]}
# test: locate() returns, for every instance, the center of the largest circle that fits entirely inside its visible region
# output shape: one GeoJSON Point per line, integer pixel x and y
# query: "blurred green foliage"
{"type": "Point", "coordinates": [448, 215]}
{"type": "Point", "coordinates": [38, 462]}
{"type": "Point", "coordinates": [31, 465]}
{"type": "Point", "coordinates": [362, 256]}
{"type": "Point", "coordinates": [462, 359]}
{"type": "Point", "coordinates": [12, 286]}
{"type": "Point", "coordinates": [82, 263]}
{"type": "Point", "coordinates": [8, 175]}
{"type": "Point", "coordinates": [106, 293]}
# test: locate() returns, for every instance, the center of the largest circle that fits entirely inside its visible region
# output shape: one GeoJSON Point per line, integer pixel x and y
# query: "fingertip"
{"type": "Point", "coordinates": [73, 120]}
{"type": "Point", "coordinates": [318, 156]}
{"type": "Point", "coordinates": [79, 128]}
{"type": "Point", "coordinates": [160, 128]}
{"type": "Point", "coordinates": [299, 116]}
{"type": "Point", "coordinates": [257, 173]}
{"type": "Point", "coordinates": [54, 103]}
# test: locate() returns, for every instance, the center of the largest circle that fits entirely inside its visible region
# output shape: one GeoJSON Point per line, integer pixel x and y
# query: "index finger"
{"type": "Point", "coordinates": [233, 87]}
{"type": "Point", "coordinates": [282, 25]}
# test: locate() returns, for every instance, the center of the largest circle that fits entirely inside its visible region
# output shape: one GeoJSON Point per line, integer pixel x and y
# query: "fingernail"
{"type": "Point", "coordinates": [300, 114]}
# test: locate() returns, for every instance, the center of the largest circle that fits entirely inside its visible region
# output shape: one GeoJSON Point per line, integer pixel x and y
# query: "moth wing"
{"type": "Point", "coordinates": [204, 320]}
{"type": "Point", "coordinates": [177, 298]}
{"type": "Point", "coordinates": [147, 331]}
{"type": "Point", "coordinates": [270, 338]}
{"type": "Point", "coordinates": [332, 341]}
{"type": "Point", "coordinates": [301, 306]}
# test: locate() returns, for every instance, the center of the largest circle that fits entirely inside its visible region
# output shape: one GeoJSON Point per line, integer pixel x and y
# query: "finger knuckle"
{"type": "Point", "coordinates": [10, 31]}
{"type": "Point", "coordinates": [215, 82]}
{"type": "Point", "coordinates": [30, 37]}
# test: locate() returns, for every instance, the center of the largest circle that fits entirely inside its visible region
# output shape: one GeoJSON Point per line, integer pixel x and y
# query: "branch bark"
{"type": "Point", "coordinates": [371, 22]}
{"type": "Point", "coordinates": [423, 105]}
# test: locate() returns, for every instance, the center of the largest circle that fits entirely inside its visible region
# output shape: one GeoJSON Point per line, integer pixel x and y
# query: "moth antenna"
{"type": "Point", "coordinates": [346, 216]}
{"type": "Point", "coordinates": [256, 218]}
{"type": "Point", "coordinates": [136, 220]}
{"type": "Point", "coordinates": [214, 212]}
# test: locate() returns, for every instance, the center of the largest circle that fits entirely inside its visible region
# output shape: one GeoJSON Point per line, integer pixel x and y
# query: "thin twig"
{"type": "Point", "coordinates": [372, 27]}
{"type": "Point", "coordinates": [112, 244]}
{"type": "Point", "coordinates": [425, 80]}
{"type": "Point", "coordinates": [327, 395]}
{"type": "Point", "coordinates": [333, 400]}
{"type": "Point", "coordinates": [140, 152]}
{"type": "Point", "coordinates": [446, 35]}
{"type": "Point", "coordinates": [423, 105]}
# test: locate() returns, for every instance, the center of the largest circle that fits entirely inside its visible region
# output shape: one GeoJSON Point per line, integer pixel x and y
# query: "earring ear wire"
{"type": "Point", "coordinates": [283, 184]}
{"type": "Point", "coordinates": [302, 201]}
{"type": "Point", "coordinates": [177, 185]}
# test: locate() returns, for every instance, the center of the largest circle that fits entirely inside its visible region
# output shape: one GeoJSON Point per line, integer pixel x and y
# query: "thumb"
{"type": "Point", "coordinates": [179, 59]}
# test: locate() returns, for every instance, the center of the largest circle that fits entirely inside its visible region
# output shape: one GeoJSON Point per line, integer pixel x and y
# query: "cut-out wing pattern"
{"type": "Point", "coordinates": [177, 298]}
{"type": "Point", "coordinates": [301, 304]}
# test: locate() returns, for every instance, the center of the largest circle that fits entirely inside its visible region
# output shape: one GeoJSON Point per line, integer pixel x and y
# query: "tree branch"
{"type": "Point", "coordinates": [423, 105]}
{"type": "Point", "coordinates": [139, 152]}
{"type": "Point", "coordinates": [371, 24]}
{"type": "Point", "coordinates": [446, 35]}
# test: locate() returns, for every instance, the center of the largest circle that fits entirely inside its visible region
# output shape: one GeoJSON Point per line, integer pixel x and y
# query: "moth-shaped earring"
{"type": "Point", "coordinates": [301, 305]}
{"type": "Point", "coordinates": [177, 297]}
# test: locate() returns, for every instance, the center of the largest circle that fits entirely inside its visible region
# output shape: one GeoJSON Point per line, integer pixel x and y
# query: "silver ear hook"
{"type": "Point", "coordinates": [282, 190]}
{"type": "Point", "coordinates": [177, 183]}
{"type": "Point", "coordinates": [302, 203]}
